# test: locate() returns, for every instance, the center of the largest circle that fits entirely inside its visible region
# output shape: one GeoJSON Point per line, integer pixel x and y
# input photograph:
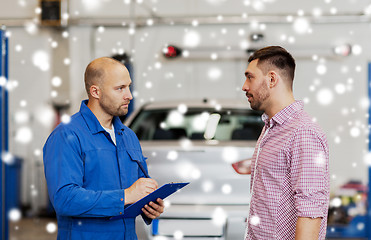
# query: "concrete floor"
{"type": "Point", "coordinates": [36, 229]}
{"type": "Point", "coordinates": [32, 229]}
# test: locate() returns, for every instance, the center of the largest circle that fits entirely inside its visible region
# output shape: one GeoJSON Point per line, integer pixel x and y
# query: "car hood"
{"type": "Point", "coordinates": [206, 165]}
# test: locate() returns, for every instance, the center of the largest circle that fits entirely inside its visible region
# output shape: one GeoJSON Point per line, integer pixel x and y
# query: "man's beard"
{"type": "Point", "coordinates": [260, 97]}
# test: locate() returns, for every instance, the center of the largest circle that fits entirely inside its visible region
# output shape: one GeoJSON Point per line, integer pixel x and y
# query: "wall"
{"type": "Point", "coordinates": [30, 110]}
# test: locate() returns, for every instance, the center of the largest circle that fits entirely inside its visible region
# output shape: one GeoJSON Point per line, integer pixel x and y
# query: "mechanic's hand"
{"type": "Point", "coordinates": [154, 210]}
{"type": "Point", "coordinates": [141, 188]}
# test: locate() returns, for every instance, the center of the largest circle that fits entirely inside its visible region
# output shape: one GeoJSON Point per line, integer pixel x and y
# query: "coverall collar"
{"type": "Point", "coordinates": [92, 121]}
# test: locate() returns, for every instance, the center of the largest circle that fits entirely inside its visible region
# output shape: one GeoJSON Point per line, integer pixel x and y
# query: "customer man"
{"type": "Point", "coordinates": [289, 170]}
{"type": "Point", "coordinates": [94, 164]}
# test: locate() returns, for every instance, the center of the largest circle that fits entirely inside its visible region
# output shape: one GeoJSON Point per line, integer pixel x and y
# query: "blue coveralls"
{"type": "Point", "coordinates": [86, 175]}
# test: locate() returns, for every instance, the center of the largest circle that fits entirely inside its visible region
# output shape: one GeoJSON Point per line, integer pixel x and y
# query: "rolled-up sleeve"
{"type": "Point", "coordinates": [309, 173]}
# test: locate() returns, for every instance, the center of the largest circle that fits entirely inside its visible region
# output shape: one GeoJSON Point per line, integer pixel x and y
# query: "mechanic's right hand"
{"type": "Point", "coordinates": [141, 188]}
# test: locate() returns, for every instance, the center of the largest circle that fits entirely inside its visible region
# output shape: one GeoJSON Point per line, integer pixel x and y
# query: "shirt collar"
{"type": "Point", "coordinates": [92, 121]}
{"type": "Point", "coordinates": [284, 114]}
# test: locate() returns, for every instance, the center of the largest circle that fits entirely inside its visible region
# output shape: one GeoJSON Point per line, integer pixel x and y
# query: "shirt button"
{"type": "Point", "coordinates": [120, 213]}
{"type": "Point", "coordinates": [121, 199]}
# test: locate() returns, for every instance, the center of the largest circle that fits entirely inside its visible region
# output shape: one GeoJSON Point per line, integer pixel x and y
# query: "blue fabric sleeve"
{"type": "Point", "coordinates": [64, 171]}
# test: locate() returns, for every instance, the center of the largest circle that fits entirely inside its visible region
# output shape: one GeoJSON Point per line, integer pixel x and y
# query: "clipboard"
{"type": "Point", "coordinates": [133, 210]}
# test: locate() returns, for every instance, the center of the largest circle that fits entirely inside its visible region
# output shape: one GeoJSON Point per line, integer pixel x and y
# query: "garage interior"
{"type": "Point", "coordinates": [46, 45]}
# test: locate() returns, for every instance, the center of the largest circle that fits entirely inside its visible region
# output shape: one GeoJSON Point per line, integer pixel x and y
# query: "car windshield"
{"type": "Point", "coordinates": [198, 124]}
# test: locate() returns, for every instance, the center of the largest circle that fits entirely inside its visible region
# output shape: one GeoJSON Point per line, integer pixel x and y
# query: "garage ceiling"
{"type": "Point", "coordinates": [160, 9]}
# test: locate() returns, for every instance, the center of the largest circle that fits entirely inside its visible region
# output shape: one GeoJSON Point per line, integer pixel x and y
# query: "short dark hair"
{"type": "Point", "coordinates": [278, 57]}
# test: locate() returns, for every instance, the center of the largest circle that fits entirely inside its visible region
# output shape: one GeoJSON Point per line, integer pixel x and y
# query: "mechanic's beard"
{"type": "Point", "coordinates": [123, 112]}
{"type": "Point", "coordinates": [112, 110]}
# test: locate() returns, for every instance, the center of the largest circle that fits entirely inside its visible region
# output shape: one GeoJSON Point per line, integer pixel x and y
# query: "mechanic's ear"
{"type": "Point", "coordinates": [94, 91]}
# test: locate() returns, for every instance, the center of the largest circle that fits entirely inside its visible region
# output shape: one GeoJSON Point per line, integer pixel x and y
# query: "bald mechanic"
{"type": "Point", "coordinates": [91, 163]}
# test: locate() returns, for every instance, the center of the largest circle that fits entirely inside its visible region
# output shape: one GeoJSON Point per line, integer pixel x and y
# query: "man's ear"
{"type": "Point", "coordinates": [273, 79]}
{"type": "Point", "coordinates": [95, 91]}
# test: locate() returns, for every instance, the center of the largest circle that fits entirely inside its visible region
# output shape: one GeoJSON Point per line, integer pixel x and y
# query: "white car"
{"type": "Point", "coordinates": [196, 142]}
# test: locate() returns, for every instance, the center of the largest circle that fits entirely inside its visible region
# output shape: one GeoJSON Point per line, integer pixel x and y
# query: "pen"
{"type": "Point", "coordinates": [142, 168]}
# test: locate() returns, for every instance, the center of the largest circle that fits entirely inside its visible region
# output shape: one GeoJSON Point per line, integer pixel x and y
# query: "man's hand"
{"type": "Point", "coordinates": [243, 166]}
{"type": "Point", "coordinates": [141, 188]}
{"type": "Point", "coordinates": [154, 210]}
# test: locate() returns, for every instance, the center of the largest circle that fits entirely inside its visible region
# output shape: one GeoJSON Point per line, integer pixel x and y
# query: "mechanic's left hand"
{"type": "Point", "coordinates": [154, 210]}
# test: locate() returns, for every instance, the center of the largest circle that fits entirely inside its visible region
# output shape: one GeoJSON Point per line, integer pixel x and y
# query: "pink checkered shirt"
{"type": "Point", "coordinates": [291, 178]}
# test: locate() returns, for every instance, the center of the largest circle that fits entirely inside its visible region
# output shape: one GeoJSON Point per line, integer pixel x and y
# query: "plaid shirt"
{"type": "Point", "coordinates": [290, 175]}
